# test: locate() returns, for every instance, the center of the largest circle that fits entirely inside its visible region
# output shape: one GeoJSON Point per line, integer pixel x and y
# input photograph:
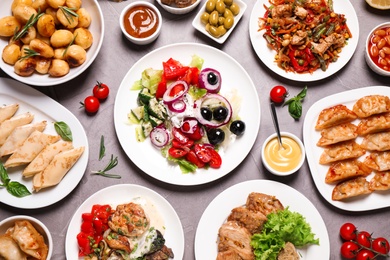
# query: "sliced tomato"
{"type": "Point", "coordinates": [84, 244]}
{"type": "Point", "coordinates": [98, 226]}
{"type": "Point", "coordinates": [185, 146]}
{"type": "Point", "coordinates": [173, 69]}
{"type": "Point", "coordinates": [102, 212]}
{"type": "Point", "coordinates": [179, 136]}
{"type": "Point", "coordinates": [202, 153]}
{"type": "Point", "coordinates": [87, 228]}
{"type": "Point", "coordinates": [87, 217]}
{"type": "Point", "coordinates": [177, 152]}
{"type": "Point", "coordinates": [216, 160]}
{"type": "Point", "coordinates": [191, 76]}
{"type": "Point", "coordinates": [161, 87]}
{"type": "Point", "coordinates": [176, 90]}
{"type": "Point", "coordinates": [192, 158]}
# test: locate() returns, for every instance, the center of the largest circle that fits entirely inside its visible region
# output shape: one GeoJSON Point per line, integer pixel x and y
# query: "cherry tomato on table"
{"type": "Point", "coordinates": [91, 104]}
{"type": "Point", "coordinates": [100, 91]}
{"type": "Point", "coordinates": [381, 245]}
{"type": "Point", "coordinates": [364, 238]}
{"type": "Point", "coordinates": [348, 231]}
{"type": "Point", "coordinates": [349, 250]}
{"type": "Point", "coordinates": [365, 254]}
{"type": "Point", "coordinates": [278, 94]}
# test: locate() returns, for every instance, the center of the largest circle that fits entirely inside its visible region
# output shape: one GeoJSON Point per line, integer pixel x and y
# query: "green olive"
{"type": "Point", "coordinates": [221, 20]}
{"type": "Point", "coordinates": [228, 23]}
{"type": "Point", "coordinates": [205, 18]}
{"type": "Point", "coordinates": [220, 6]}
{"type": "Point", "coordinates": [213, 19]}
{"type": "Point", "coordinates": [228, 2]}
{"type": "Point", "coordinates": [221, 29]}
{"type": "Point", "coordinates": [235, 9]}
{"type": "Point", "coordinates": [227, 13]}
{"type": "Point", "coordinates": [214, 31]}
{"type": "Point", "coordinates": [207, 27]}
{"type": "Point", "coordinates": [210, 5]}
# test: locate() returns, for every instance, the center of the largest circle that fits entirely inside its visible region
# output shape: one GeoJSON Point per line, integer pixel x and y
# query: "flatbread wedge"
{"type": "Point", "coordinates": [7, 126]}
{"type": "Point", "coordinates": [346, 169]}
{"type": "Point", "coordinates": [370, 105]}
{"type": "Point", "coordinates": [379, 161]}
{"type": "Point", "coordinates": [380, 181]}
{"type": "Point", "coordinates": [334, 115]}
{"type": "Point", "coordinates": [7, 111]}
{"type": "Point", "coordinates": [377, 141]}
{"type": "Point", "coordinates": [341, 151]}
{"type": "Point", "coordinates": [374, 124]}
{"type": "Point", "coordinates": [336, 134]}
{"type": "Point", "coordinates": [351, 188]}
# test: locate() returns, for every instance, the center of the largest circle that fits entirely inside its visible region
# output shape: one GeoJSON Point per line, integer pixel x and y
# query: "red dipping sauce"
{"type": "Point", "coordinates": [379, 48]}
{"type": "Point", "coordinates": [141, 21]}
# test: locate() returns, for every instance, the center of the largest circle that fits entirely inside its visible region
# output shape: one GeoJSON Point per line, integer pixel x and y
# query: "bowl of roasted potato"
{"type": "Point", "coordinates": [49, 42]}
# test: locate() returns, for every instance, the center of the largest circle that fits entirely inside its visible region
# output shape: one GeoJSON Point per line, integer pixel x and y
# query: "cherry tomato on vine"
{"type": "Point", "coordinates": [100, 91]}
{"type": "Point", "coordinates": [91, 104]}
{"type": "Point", "coordinates": [381, 245]}
{"type": "Point", "coordinates": [349, 250]}
{"type": "Point", "coordinates": [365, 254]}
{"type": "Point", "coordinates": [348, 231]}
{"type": "Point", "coordinates": [364, 238]}
{"type": "Point", "coordinates": [278, 94]}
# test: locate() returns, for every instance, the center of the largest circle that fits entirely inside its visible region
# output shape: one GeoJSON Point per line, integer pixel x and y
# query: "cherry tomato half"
{"type": "Point", "coordinates": [216, 160]}
{"type": "Point", "coordinates": [380, 245]}
{"type": "Point", "coordinates": [100, 91]}
{"type": "Point", "coordinates": [348, 231]}
{"type": "Point", "coordinates": [349, 249]}
{"type": "Point", "coordinates": [364, 238]}
{"type": "Point", "coordinates": [91, 104]}
{"type": "Point", "coordinates": [365, 254]}
{"type": "Point", "coordinates": [278, 94]}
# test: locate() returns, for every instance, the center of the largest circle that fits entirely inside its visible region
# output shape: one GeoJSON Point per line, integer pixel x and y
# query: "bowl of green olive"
{"type": "Point", "coordinates": [218, 18]}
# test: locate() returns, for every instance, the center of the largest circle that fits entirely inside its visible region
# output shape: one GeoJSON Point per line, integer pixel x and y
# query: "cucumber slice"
{"type": "Point", "coordinates": [139, 134]}
{"type": "Point", "coordinates": [146, 128]}
{"type": "Point", "coordinates": [156, 109]}
{"type": "Point", "coordinates": [138, 112]}
{"type": "Point", "coordinates": [155, 121]}
{"type": "Point", "coordinates": [144, 96]}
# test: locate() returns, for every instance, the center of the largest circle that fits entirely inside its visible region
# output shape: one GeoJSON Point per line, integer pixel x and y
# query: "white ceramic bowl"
{"type": "Point", "coordinates": [198, 25]}
{"type": "Point", "coordinates": [369, 61]}
{"type": "Point", "coordinates": [283, 173]}
{"type": "Point", "coordinates": [96, 28]}
{"type": "Point", "coordinates": [146, 40]}
{"type": "Point", "coordinates": [38, 225]}
{"type": "Point", "coordinates": [178, 10]}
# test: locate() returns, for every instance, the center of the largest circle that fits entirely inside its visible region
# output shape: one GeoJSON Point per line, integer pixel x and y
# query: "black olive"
{"type": "Point", "coordinates": [237, 127]}
{"type": "Point", "coordinates": [215, 136]}
{"type": "Point", "coordinates": [212, 78]}
{"type": "Point", "coordinates": [220, 113]}
{"type": "Point", "coordinates": [206, 113]}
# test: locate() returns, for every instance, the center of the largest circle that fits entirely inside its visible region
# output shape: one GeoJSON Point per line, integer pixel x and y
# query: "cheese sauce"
{"type": "Point", "coordinates": [140, 21]}
{"type": "Point", "coordinates": [280, 159]}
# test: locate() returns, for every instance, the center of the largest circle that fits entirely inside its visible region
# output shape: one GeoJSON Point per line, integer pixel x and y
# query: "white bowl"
{"type": "Point", "coordinates": [146, 40]}
{"type": "Point", "coordinates": [38, 225]}
{"type": "Point", "coordinates": [287, 172]}
{"type": "Point", "coordinates": [369, 61]}
{"type": "Point", "coordinates": [96, 28]}
{"type": "Point", "coordinates": [178, 10]}
{"type": "Point", "coordinates": [198, 25]}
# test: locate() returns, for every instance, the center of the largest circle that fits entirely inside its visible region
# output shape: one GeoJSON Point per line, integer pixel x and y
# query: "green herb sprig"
{"type": "Point", "coordinates": [102, 150]}
{"type": "Point", "coordinates": [63, 130]}
{"type": "Point", "coordinates": [71, 43]}
{"type": "Point", "coordinates": [28, 53]}
{"type": "Point", "coordinates": [295, 104]}
{"type": "Point", "coordinates": [68, 13]}
{"type": "Point", "coordinates": [13, 187]}
{"type": "Point", "coordinates": [111, 164]}
{"type": "Point", "coordinates": [31, 21]}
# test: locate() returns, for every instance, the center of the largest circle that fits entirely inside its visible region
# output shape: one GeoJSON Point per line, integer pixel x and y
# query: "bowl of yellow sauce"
{"type": "Point", "coordinates": [286, 160]}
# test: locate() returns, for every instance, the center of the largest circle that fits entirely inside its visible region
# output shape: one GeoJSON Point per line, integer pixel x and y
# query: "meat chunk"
{"type": "Point", "coordinates": [116, 241]}
{"type": "Point", "coordinates": [251, 220]}
{"type": "Point", "coordinates": [299, 38]}
{"type": "Point", "coordinates": [334, 39]}
{"type": "Point", "coordinates": [288, 252]}
{"type": "Point", "coordinates": [300, 12]}
{"type": "Point", "coordinates": [230, 254]}
{"type": "Point", "coordinates": [163, 254]}
{"type": "Point", "coordinates": [264, 203]}
{"type": "Point", "coordinates": [284, 10]}
{"type": "Point", "coordinates": [234, 237]}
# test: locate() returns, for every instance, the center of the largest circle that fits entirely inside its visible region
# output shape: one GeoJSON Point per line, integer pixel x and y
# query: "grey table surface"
{"type": "Point", "coordinates": [117, 56]}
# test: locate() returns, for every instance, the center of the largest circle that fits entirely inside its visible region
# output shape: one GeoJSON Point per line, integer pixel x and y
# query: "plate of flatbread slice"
{"type": "Point", "coordinates": [347, 141]}
{"type": "Point", "coordinates": [31, 150]}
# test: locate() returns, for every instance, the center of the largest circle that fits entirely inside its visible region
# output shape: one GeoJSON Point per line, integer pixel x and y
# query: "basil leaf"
{"type": "Point", "coordinates": [302, 94]}
{"type": "Point", "coordinates": [63, 130]}
{"type": "Point", "coordinates": [295, 109]}
{"type": "Point", "coordinates": [3, 175]}
{"type": "Point", "coordinates": [102, 150]}
{"type": "Point", "coordinates": [17, 189]}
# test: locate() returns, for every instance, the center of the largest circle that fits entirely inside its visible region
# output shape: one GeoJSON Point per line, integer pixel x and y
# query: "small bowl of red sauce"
{"type": "Point", "coordinates": [377, 52]}
{"type": "Point", "coordinates": [140, 22]}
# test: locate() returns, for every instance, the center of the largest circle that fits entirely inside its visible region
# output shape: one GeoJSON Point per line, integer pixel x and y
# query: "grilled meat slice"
{"type": "Point", "coordinates": [251, 220]}
{"type": "Point", "coordinates": [264, 203]}
{"type": "Point", "coordinates": [288, 252]}
{"type": "Point", "coordinates": [230, 254]}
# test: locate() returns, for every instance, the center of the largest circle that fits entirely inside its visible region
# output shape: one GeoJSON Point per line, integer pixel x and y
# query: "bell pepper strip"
{"type": "Point", "coordinates": [307, 56]}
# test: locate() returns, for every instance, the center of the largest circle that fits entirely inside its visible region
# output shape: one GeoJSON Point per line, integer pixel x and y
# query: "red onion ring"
{"type": "Point", "coordinates": [168, 99]}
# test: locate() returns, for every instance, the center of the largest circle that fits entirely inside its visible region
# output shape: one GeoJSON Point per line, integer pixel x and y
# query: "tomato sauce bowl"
{"type": "Point", "coordinates": [140, 22]}
{"type": "Point", "coordinates": [377, 51]}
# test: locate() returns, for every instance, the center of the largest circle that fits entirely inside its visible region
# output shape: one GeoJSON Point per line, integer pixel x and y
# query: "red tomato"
{"type": "Point", "coordinates": [192, 158]}
{"type": "Point", "coordinates": [102, 212]}
{"type": "Point", "coordinates": [278, 94]}
{"type": "Point", "coordinates": [176, 90]}
{"type": "Point", "coordinates": [98, 226]}
{"type": "Point", "coordinates": [179, 136]}
{"type": "Point", "coordinates": [364, 239]}
{"type": "Point", "coordinates": [348, 231]}
{"type": "Point", "coordinates": [202, 153]}
{"type": "Point", "coordinates": [161, 87]}
{"type": "Point", "coordinates": [196, 135]}
{"type": "Point", "coordinates": [84, 244]}
{"type": "Point", "coordinates": [185, 146]}
{"type": "Point", "coordinates": [365, 254]}
{"type": "Point", "coordinates": [173, 69]}
{"type": "Point", "coordinates": [100, 91]}
{"type": "Point", "coordinates": [216, 160]}
{"type": "Point", "coordinates": [191, 76]}
{"type": "Point", "coordinates": [349, 249]}
{"type": "Point", "coordinates": [380, 245]}
{"type": "Point", "coordinates": [177, 152]}
{"type": "Point", "coordinates": [87, 217]}
{"type": "Point", "coordinates": [91, 104]}
{"type": "Point", "coordinates": [87, 228]}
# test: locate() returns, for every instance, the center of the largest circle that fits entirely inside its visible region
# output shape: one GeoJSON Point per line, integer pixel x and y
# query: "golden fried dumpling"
{"type": "Point", "coordinates": [30, 148]}
{"type": "Point", "coordinates": [7, 126]}
{"type": "Point", "coordinates": [9, 249]}
{"type": "Point", "coordinates": [380, 181]}
{"type": "Point", "coordinates": [57, 168]}
{"type": "Point", "coordinates": [379, 161]}
{"type": "Point", "coordinates": [7, 111]}
{"type": "Point", "coordinates": [377, 141]}
{"type": "Point", "coordinates": [346, 169]}
{"type": "Point", "coordinates": [351, 188]}
{"type": "Point", "coordinates": [341, 151]}
{"type": "Point", "coordinates": [29, 239]}
{"type": "Point", "coordinates": [370, 105]}
{"type": "Point", "coordinates": [338, 133]}
{"type": "Point", "coordinates": [18, 136]}
{"type": "Point", "coordinates": [374, 124]}
{"type": "Point", "coordinates": [335, 115]}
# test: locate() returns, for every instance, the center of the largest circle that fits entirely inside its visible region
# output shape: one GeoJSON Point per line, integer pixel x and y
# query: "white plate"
{"type": "Point", "coordinates": [197, 24]}
{"type": "Point", "coordinates": [374, 200]}
{"type": "Point", "coordinates": [43, 108]}
{"type": "Point", "coordinates": [267, 56]}
{"type": "Point", "coordinates": [219, 209]}
{"type": "Point", "coordinates": [149, 159]}
{"type": "Point", "coordinates": [96, 28]}
{"type": "Point", "coordinates": [120, 194]}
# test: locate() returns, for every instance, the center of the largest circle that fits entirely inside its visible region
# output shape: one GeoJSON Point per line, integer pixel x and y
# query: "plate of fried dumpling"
{"type": "Point", "coordinates": [32, 152]}
{"type": "Point", "coordinates": [347, 141]}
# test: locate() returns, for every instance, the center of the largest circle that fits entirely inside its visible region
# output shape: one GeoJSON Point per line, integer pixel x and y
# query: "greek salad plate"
{"type": "Point", "coordinates": [372, 201]}
{"type": "Point", "coordinates": [218, 210]}
{"type": "Point", "coordinates": [122, 194]}
{"type": "Point", "coordinates": [43, 108]}
{"type": "Point", "coordinates": [267, 55]}
{"type": "Point", "coordinates": [146, 156]}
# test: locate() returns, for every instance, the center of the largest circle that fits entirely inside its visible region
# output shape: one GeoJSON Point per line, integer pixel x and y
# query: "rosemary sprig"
{"type": "Point", "coordinates": [28, 53]}
{"type": "Point", "coordinates": [31, 21]}
{"type": "Point", "coordinates": [67, 47]}
{"type": "Point", "coordinates": [112, 163]}
{"type": "Point", "coordinates": [102, 150]}
{"type": "Point", "coordinates": [68, 13]}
